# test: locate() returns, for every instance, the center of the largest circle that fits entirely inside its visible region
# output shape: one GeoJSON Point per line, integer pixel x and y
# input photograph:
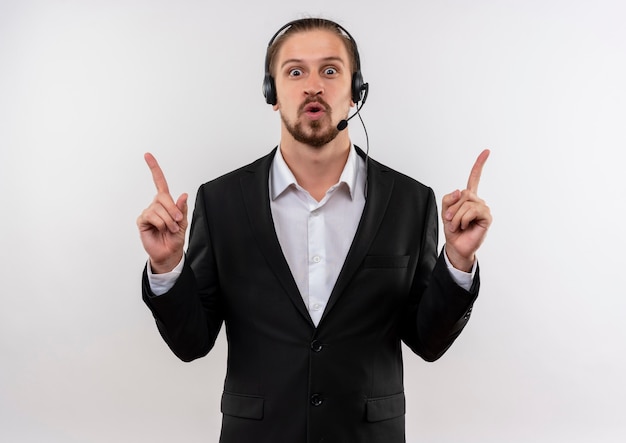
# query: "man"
{"type": "Point", "coordinates": [319, 260]}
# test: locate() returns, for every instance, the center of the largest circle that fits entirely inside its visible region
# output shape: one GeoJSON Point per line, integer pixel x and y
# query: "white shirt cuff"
{"type": "Point", "coordinates": [463, 279]}
{"type": "Point", "coordinates": [161, 283]}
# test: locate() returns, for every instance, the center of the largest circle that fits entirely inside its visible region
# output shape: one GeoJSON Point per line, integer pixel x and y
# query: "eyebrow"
{"type": "Point", "coordinates": [325, 59]}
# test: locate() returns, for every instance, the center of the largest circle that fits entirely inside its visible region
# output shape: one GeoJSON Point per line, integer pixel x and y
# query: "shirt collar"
{"type": "Point", "coordinates": [282, 178]}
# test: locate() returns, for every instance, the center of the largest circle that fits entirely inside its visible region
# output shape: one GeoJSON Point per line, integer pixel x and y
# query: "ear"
{"type": "Point", "coordinates": [275, 107]}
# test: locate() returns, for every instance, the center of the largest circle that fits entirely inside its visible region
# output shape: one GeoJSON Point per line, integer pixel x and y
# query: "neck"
{"type": "Point", "coordinates": [316, 168]}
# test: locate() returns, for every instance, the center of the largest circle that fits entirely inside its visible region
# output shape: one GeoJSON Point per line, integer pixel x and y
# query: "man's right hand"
{"type": "Point", "coordinates": [163, 224]}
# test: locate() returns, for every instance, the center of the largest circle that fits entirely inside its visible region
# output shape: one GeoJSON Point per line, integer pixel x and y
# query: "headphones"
{"type": "Point", "coordinates": [359, 87]}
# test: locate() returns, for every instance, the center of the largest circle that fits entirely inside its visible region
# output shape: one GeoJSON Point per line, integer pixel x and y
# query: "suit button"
{"type": "Point", "coordinates": [316, 400]}
{"type": "Point", "coordinates": [467, 314]}
{"type": "Point", "coordinates": [316, 346]}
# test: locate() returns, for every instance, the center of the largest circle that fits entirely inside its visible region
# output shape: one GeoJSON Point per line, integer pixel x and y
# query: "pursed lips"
{"type": "Point", "coordinates": [314, 110]}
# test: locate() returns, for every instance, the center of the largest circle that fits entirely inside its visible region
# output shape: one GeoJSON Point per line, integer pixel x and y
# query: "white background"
{"type": "Point", "coordinates": [86, 87]}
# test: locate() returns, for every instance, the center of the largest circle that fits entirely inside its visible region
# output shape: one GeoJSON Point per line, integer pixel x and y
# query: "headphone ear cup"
{"type": "Point", "coordinates": [357, 87]}
{"type": "Point", "coordinates": [269, 90]}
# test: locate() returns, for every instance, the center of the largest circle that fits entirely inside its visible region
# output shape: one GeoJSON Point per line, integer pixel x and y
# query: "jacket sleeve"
{"type": "Point", "coordinates": [438, 308]}
{"type": "Point", "coordinates": [189, 316]}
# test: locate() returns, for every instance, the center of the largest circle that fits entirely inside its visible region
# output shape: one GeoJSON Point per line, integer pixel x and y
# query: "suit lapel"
{"type": "Point", "coordinates": [255, 191]}
{"type": "Point", "coordinates": [379, 187]}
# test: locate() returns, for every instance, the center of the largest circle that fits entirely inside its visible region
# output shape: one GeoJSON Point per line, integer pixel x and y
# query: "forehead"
{"type": "Point", "coordinates": [312, 45]}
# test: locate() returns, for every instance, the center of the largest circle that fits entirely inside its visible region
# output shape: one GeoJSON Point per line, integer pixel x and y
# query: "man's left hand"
{"type": "Point", "coordinates": [466, 219]}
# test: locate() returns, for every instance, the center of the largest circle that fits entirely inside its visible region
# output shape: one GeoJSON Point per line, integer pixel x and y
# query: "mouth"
{"type": "Point", "coordinates": [314, 110]}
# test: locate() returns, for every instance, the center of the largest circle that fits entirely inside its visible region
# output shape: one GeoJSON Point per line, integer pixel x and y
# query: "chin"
{"type": "Point", "coordinates": [316, 138]}
{"type": "Point", "coordinates": [316, 134]}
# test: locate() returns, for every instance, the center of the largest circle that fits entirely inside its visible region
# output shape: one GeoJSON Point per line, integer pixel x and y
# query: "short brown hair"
{"type": "Point", "coordinates": [311, 24]}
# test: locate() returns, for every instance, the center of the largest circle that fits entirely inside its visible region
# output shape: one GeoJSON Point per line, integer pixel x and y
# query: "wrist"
{"type": "Point", "coordinates": [458, 261]}
{"type": "Point", "coordinates": [167, 265]}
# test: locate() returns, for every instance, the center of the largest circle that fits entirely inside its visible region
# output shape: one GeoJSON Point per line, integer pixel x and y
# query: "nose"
{"type": "Point", "coordinates": [314, 85]}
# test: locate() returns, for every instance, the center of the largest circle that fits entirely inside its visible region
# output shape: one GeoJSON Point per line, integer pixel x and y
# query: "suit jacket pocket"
{"type": "Point", "coordinates": [384, 408]}
{"type": "Point", "coordinates": [243, 406]}
{"type": "Point", "coordinates": [386, 261]}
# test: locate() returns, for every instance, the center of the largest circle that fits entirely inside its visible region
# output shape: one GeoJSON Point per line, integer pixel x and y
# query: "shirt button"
{"type": "Point", "coordinates": [316, 307]}
{"type": "Point", "coordinates": [316, 346]}
{"type": "Point", "coordinates": [317, 259]}
{"type": "Point", "coordinates": [316, 400]}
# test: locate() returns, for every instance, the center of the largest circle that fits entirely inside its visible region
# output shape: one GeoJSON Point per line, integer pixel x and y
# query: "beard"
{"type": "Point", "coordinates": [315, 133]}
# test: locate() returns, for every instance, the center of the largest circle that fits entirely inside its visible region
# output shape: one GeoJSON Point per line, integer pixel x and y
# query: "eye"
{"type": "Point", "coordinates": [295, 72]}
{"type": "Point", "coordinates": [330, 71]}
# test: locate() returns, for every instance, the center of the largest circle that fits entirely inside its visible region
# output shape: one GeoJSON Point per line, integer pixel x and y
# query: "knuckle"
{"type": "Point", "coordinates": [467, 194]}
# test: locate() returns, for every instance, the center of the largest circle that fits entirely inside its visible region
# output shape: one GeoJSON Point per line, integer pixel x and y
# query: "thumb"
{"type": "Point", "coordinates": [181, 204]}
{"type": "Point", "coordinates": [447, 201]}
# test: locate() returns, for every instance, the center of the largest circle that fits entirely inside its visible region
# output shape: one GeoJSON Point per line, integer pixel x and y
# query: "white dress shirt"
{"type": "Point", "coordinates": [314, 236]}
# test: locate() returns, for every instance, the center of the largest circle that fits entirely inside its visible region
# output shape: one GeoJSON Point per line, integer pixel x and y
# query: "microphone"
{"type": "Point", "coordinates": [343, 124]}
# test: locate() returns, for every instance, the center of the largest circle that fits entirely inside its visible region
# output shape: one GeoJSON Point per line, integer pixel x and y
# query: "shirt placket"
{"type": "Point", "coordinates": [316, 263]}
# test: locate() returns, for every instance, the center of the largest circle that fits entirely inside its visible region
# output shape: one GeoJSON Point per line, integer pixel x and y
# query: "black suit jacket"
{"type": "Point", "coordinates": [288, 381]}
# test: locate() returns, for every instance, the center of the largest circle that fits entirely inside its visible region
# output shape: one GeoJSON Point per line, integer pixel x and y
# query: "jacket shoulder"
{"type": "Point", "coordinates": [258, 166]}
{"type": "Point", "coordinates": [401, 180]}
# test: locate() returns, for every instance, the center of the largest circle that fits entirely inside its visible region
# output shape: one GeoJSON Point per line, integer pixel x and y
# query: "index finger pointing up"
{"type": "Point", "coordinates": [477, 169]}
{"type": "Point", "coordinates": [157, 173]}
